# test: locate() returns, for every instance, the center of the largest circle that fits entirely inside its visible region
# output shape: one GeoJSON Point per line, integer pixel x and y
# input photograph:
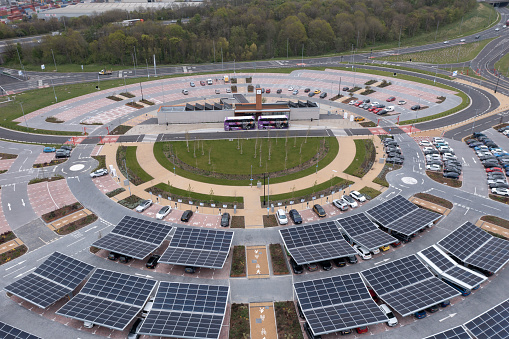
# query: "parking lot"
{"type": "Point", "coordinates": [49, 196]}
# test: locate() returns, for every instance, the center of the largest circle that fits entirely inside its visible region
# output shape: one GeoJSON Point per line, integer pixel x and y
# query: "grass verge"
{"type": "Point", "coordinates": [496, 221]}
{"type": "Point", "coordinates": [76, 225]}
{"type": "Point", "coordinates": [239, 321]}
{"type": "Point", "coordinates": [503, 65]}
{"type": "Point", "coordinates": [288, 324]}
{"type": "Point", "coordinates": [133, 165]}
{"type": "Point", "coordinates": [120, 130]}
{"type": "Point", "coordinates": [102, 162]}
{"type": "Point", "coordinates": [5, 156]}
{"type": "Point", "coordinates": [369, 192]}
{"type": "Point", "coordinates": [130, 202]}
{"type": "Point", "coordinates": [48, 164]}
{"type": "Point", "coordinates": [12, 254]}
{"type": "Point", "coordinates": [116, 191]}
{"type": "Point", "coordinates": [499, 198]}
{"type": "Point", "coordinates": [278, 260]}
{"type": "Point", "coordinates": [7, 236]}
{"type": "Point", "coordinates": [52, 178]}
{"type": "Point", "coordinates": [434, 199]}
{"type": "Point", "coordinates": [238, 221]}
{"type": "Point", "coordinates": [61, 212]}
{"type": "Point", "coordinates": [364, 158]}
{"type": "Point", "coordinates": [380, 178]}
{"type": "Point", "coordinates": [128, 153]}
{"type": "Point", "coordinates": [438, 177]}
{"type": "Point", "coordinates": [238, 262]}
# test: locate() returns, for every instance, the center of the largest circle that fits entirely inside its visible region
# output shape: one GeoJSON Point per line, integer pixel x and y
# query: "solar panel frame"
{"type": "Point", "coordinates": [467, 278]}
{"type": "Point", "coordinates": [439, 260]}
{"type": "Point", "coordinates": [123, 245]}
{"type": "Point", "coordinates": [464, 240]}
{"type": "Point", "coordinates": [492, 256]}
{"type": "Point", "coordinates": [457, 332]}
{"type": "Point", "coordinates": [10, 332]}
{"type": "Point", "coordinates": [391, 210]}
{"type": "Point", "coordinates": [64, 270]}
{"type": "Point", "coordinates": [374, 239]}
{"type": "Point", "coordinates": [356, 224]}
{"type": "Point", "coordinates": [492, 324]}
{"type": "Point", "coordinates": [413, 221]}
{"type": "Point", "coordinates": [198, 247]}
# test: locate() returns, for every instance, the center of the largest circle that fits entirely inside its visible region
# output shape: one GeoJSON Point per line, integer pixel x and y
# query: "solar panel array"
{"type": "Point", "coordinates": [198, 247]}
{"type": "Point", "coordinates": [492, 324]}
{"type": "Point", "coordinates": [109, 299]}
{"type": "Point", "coordinates": [407, 285]}
{"type": "Point", "coordinates": [186, 311]}
{"type": "Point", "coordinates": [362, 230]}
{"type": "Point", "coordinates": [337, 303]}
{"type": "Point", "coordinates": [56, 277]}
{"type": "Point", "coordinates": [134, 237]}
{"type": "Point", "coordinates": [11, 332]}
{"type": "Point", "coordinates": [315, 242]}
{"type": "Point", "coordinates": [466, 276]}
{"type": "Point", "coordinates": [414, 221]}
{"type": "Point", "coordinates": [391, 210]}
{"type": "Point", "coordinates": [437, 258]}
{"type": "Point", "coordinates": [453, 333]}
{"type": "Point", "coordinates": [474, 246]}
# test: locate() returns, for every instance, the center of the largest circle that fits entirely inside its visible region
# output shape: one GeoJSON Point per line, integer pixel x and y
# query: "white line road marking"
{"type": "Point", "coordinates": [9, 205]}
{"type": "Point", "coordinates": [15, 271]}
{"type": "Point", "coordinates": [76, 241]}
{"type": "Point", "coordinates": [19, 275]}
{"type": "Point", "coordinates": [23, 202]}
{"type": "Point", "coordinates": [15, 265]}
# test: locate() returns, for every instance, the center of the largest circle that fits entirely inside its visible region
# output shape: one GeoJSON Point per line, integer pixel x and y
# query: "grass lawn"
{"type": "Point", "coordinates": [133, 165]}
{"type": "Point", "coordinates": [364, 157]}
{"type": "Point", "coordinates": [380, 179]}
{"type": "Point", "coordinates": [503, 65]}
{"type": "Point", "coordinates": [438, 177]}
{"type": "Point", "coordinates": [278, 260]}
{"type": "Point", "coordinates": [434, 199]}
{"type": "Point", "coordinates": [448, 55]}
{"type": "Point", "coordinates": [370, 192]}
{"type": "Point", "coordinates": [238, 268]}
{"type": "Point", "coordinates": [287, 320]}
{"type": "Point", "coordinates": [102, 162]}
{"type": "Point", "coordinates": [162, 151]}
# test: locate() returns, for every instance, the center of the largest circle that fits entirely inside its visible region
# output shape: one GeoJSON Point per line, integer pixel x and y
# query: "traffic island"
{"type": "Point", "coordinates": [495, 226]}
{"type": "Point", "coordinates": [238, 268]}
{"type": "Point", "coordinates": [380, 179]}
{"type": "Point", "coordinates": [438, 177]}
{"type": "Point", "coordinates": [62, 212]}
{"type": "Point", "coordinates": [278, 260]}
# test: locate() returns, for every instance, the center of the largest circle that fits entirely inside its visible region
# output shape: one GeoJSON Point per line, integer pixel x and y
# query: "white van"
{"type": "Point", "coordinates": [209, 81]}
{"type": "Point", "coordinates": [388, 313]}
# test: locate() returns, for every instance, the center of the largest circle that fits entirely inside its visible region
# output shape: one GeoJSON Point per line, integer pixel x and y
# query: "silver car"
{"type": "Point", "coordinates": [99, 173]}
{"type": "Point", "coordinates": [143, 205]}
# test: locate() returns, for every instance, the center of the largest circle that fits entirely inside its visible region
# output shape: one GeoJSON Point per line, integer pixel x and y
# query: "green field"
{"type": "Point", "coordinates": [448, 55]}
{"type": "Point", "coordinates": [503, 65]}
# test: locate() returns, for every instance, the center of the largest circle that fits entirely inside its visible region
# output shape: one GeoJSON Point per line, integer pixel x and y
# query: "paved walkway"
{"type": "Point", "coordinates": [262, 318]}
{"type": "Point", "coordinates": [253, 210]}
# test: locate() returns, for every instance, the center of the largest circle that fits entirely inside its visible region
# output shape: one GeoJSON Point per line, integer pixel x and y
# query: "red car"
{"type": "Point", "coordinates": [363, 329]}
{"type": "Point", "coordinates": [396, 244]}
{"type": "Point", "coordinates": [358, 103]}
{"type": "Point", "coordinates": [390, 99]}
{"type": "Point", "coordinates": [494, 169]}
{"type": "Point", "coordinates": [376, 110]}
{"type": "Point", "coordinates": [202, 83]}
{"type": "Point", "coordinates": [267, 90]}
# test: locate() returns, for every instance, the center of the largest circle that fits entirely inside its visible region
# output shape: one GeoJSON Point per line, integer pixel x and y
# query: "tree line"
{"type": "Point", "coordinates": [256, 29]}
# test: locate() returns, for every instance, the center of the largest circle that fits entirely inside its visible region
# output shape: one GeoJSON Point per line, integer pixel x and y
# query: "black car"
{"type": "Point", "coordinates": [323, 95]}
{"type": "Point", "coordinates": [404, 238]}
{"type": "Point", "coordinates": [113, 256]}
{"type": "Point", "coordinates": [190, 269]}
{"type": "Point", "coordinates": [346, 88]}
{"type": "Point", "coordinates": [307, 90]}
{"type": "Point", "coordinates": [310, 333]}
{"type": "Point", "coordinates": [66, 147]}
{"type": "Point", "coordinates": [297, 269]}
{"type": "Point", "coordinates": [498, 185]}
{"type": "Point", "coordinates": [279, 91]}
{"type": "Point", "coordinates": [451, 175]}
{"type": "Point", "coordinates": [433, 309]}
{"type": "Point", "coordinates": [311, 94]}
{"type": "Point", "coordinates": [225, 219]}
{"type": "Point", "coordinates": [326, 265]}
{"type": "Point", "coordinates": [186, 215]}
{"type": "Point", "coordinates": [394, 160]}
{"type": "Point", "coordinates": [295, 216]}
{"type": "Point", "coordinates": [124, 259]}
{"type": "Point", "coordinates": [133, 333]}
{"type": "Point", "coordinates": [352, 259]}
{"type": "Point", "coordinates": [382, 112]}
{"type": "Point", "coordinates": [490, 164]}
{"type": "Point", "coordinates": [62, 153]}
{"type": "Point", "coordinates": [339, 262]}
{"type": "Point", "coordinates": [452, 169]}
{"type": "Point", "coordinates": [366, 100]}
{"type": "Point", "coordinates": [478, 134]}
{"type": "Point", "coordinates": [152, 261]}
{"type": "Point", "coordinates": [415, 107]}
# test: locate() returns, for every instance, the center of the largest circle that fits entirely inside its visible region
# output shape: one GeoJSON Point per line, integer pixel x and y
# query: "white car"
{"type": "Point", "coordinates": [228, 90]}
{"type": "Point", "coordinates": [388, 313]}
{"type": "Point", "coordinates": [340, 204]}
{"type": "Point", "coordinates": [290, 88]}
{"type": "Point", "coordinates": [427, 149]}
{"type": "Point", "coordinates": [358, 196]}
{"type": "Point", "coordinates": [496, 181]}
{"type": "Point", "coordinates": [449, 156]}
{"type": "Point", "coordinates": [432, 157]}
{"type": "Point", "coordinates": [500, 191]}
{"type": "Point", "coordinates": [363, 253]}
{"type": "Point", "coordinates": [281, 217]}
{"type": "Point", "coordinates": [504, 26]}
{"type": "Point", "coordinates": [375, 251]}
{"type": "Point", "coordinates": [164, 211]}
{"type": "Point", "coordinates": [295, 92]}
{"type": "Point", "coordinates": [375, 103]}
{"type": "Point", "coordinates": [401, 102]}
{"type": "Point", "coordinates": [99, 173]}
{"type": "Point", "coordinates": [143, 205]}
{"type": "Point", "coordinates": [446, 42]}
{"type": "Point", "coordinates": [185, 92]}
{"type": "Point", "coordinates": [352, 102]}
{"type": "Point", "coordinates": [497, 29]}
{"type": "Point", "coordinates": [462, 40]}
{"type": "Point", "coordinates": [349, 201]}
{"type": "Point", "coordinates": [433, 167]}
{"type": "Point", "coordinates": [389, 108]}
{"type": "Point", "coordinates": [192, 84]}
{"type": "Point", "coordinates": [438, 139]}
{"type": "Point", "coordinates": [425, 143]}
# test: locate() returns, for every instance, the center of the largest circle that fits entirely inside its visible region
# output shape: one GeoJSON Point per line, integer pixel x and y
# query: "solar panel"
{"type": "Point", "coordinates": [463, 241]}
{"type": "Point", "coordinates": [421, 295]}
{"type": "Point", "coordinates": [465, 276]}
{"type": "Point", "coordinates": [396, 274]}
{"type": "Point", "coordinates": [134, 237]}
{"type": "Point", "coordinates": [186, 311]}
{"type": "Point", "coordinates": [374, 239]}
{"type": "Point", "coordinates": [453, 333]}
{"type": "Point", "coordinates": [356, 224]}
{"type": "Point", "coordinates": [109, 299]}
{"type": "Point", "coordinates": [11, 332]}
{"type": "Point", "coordinates": [56, 277]}
{"type": "Point", "coordinates": [491, 256]}
{"type": "Point", "coordinates": [492, 324]}
{"type": "Point", "coordinates": [414, 221]}
{"type": "Point", "coordinates": [198, 247]}
{"type": "Point", "coordinates": [391, 210]}
{"type": "Point", "coordinates": [437, 258]}
{"type": "Point", "coordinates": [315, 242]}
{"type": "Point", "coordinates": [337, 303]}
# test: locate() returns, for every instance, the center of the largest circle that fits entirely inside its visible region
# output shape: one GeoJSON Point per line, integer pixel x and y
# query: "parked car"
{"type": "Point", "coordinates": [340, 262]}
{"type": "Point", "coordinates": [143, 205]}
{"type": "Point", "coordinates": [433, 167]}
{"type": "Point", "coordinates": [352, 259]}
{"type": "Point", "coordinates": [362, 252]}
{"type": "Point", "coordinates": [342, 205]}
{"type": "Point", "coordinates": [388, 313]}
{"type": "Point", "coordinates": [420, 314]}
{"type": "Point", "coordinates": [326, 265]}
{"type": "Point", "coordinates": [312, 267]}
{"type": "Point", "coordinates": [451, 175]}
{"type": "Point", "coordinates": [281, 217]}
{"type": "Point", "coordinates": [433, 309]}
{"type": "Point", "coordinates": [163, 212]}
{"type": "Point", "coordinates": [295, 216]}
{"type": "Point", "coordinates": [323, 95]}
{"type": "Point", "coordinates": [346, 88]}
{"type": "Point", "coordinates": [99, 173]}
{"type": "Point", "coordinates": [192, 84]}
{"type": "Point", "coordinates": [124, 259]}
{"type": "Point", "coordinates": [186, 215]}
{"type": "Point", "coordinates": [358, 196]}
{"type": "Point", "coordinates": [113, 256]}
{"type": "Point", "coordinates": [363, 329]}
{"type": "Point", "coordinates": [297, 269]}
{"type": "Point", "coordinates": [319, 211]}
{"type": "Point", "coordinates": [401, 102]}
{"type": "Point", "coordinates": [62, 153]}
{"type": "Point", "coordinates": [307, 90]}
{"type": "Point", "coordinates": [295, 92]}
{"type": "Point", "coordinates": [415, 107]}
{"type": "Point", "coordinates": [152, 261]}
{"type": "Point", "coordinates": [500, 191]}
{"type": "Point", "coordinates": [186, 92]}
{"type": "Point", "coordinates": [279, 91]}
{"type": "Point", "coordinates": [190, 270]}
{"type": "Point", "coordinates": [225, 219]}
{"type": "Point", "coordinates": [311, 94]}
{"type": "Point", "coordinates": [202, 83]}
{"type": "Point", "coordinates": [385, 248]}
{"type": "Point", "coordinates": [390, 99]}
{"type": "Point", "coordinates": [49, 149]}
{"type": "Point", "coordinates": [267, 91]}
{"type": "Point", "coordinates": [347, 199]}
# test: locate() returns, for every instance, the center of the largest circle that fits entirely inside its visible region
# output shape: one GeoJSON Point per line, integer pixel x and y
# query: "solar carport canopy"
{"type": "Point", "coordinates": [134, 237]}
{"type": "Point", "coordinates": [362, 231]}
{"type": "Point", "coordinates": [476, 247]}
{"type": "Point", "coordinates": [315, 242]}
{"type": "Point", "coordinates": [492, 324]}
{"type": "Point", "coordinates": [407, 285]}
{"type": "Point", "coordinates": [337, 303]}
{"type": "Point", "coordinates": [11, 332]}
{"type": "Point", "coordinates": [198, 247]}
{"type": "Point", "coordinates": [183, 310]}
{"type": "Point", "coordinates": [457, 332]}
{"type": "Point", "coordinates": [57, 277]}
{"type": "Point", "coordinates": [109, 299]}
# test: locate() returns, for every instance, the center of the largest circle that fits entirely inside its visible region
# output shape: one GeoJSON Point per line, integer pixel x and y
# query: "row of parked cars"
{"type": "Point", "coordinates": [495, 161]}
{"type": "Point", "coordinates": [374, 107]}
{"type": "Point", "coordinates": [393, 151]}
{"type": "Point", "coordinates": [63, 152]}
{"type": "Point", "coordinates": [440, 157]}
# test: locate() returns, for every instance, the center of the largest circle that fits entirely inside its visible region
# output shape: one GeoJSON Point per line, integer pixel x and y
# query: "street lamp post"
{"type": "Point", "coordinates": [54, 59]}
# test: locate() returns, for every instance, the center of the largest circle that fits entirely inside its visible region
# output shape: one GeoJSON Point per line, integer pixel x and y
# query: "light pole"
{"type": "Point", "coordinates": [54, 59]}
{"type": "Point", "coordinates": [23, 111]}
{"type": "Point", "coordinates": [127, 175]}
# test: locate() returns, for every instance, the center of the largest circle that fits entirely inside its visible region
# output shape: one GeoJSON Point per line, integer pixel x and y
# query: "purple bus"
{"type": "Point", "coordinates": [236, 123]}
{"type": "Point", "coordinates": [273, 121]}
